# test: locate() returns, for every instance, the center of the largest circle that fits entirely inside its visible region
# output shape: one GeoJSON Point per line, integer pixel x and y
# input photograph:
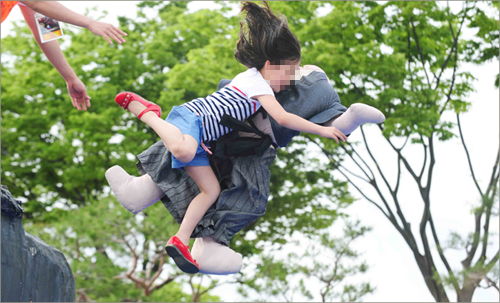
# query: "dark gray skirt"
{"type": "Point", "coordinates": [245, 183]}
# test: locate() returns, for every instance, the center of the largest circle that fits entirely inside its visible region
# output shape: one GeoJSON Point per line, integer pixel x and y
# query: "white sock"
{"type": "Point", "coordinates": [214, 258]}
{"type": "Point", "coordinates": [356, 115]}
{"type": "Point", "coordinates": [133, 193]}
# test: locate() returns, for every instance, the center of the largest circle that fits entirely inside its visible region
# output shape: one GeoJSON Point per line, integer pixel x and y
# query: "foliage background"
{"type": "Point", "coordinates": [55, 157]}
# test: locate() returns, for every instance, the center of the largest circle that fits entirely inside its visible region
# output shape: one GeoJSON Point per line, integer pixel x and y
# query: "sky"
{"type": "Point", "coordinates": [392, 267]}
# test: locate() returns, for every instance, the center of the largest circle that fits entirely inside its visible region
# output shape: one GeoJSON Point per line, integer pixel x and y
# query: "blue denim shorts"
{"type": "Point", "coordinates": [189, 124]}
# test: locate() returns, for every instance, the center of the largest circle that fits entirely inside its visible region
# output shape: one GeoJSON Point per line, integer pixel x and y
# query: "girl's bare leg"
{"type": "Point", "coordinates": [183, 147]}
{"type": "Point", "coordinates": [209, 192]}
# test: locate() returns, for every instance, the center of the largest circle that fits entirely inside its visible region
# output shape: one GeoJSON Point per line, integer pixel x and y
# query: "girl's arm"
{"type": "Point", "coordinates": [59, 12]}
{"type": "Point", "coordinates": [51, 49]}
{"type": "Point", "coordinates": [292, 121]}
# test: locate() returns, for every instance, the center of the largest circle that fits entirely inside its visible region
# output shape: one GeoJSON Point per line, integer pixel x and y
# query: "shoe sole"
{"type": "Point", "coordinates": [219, 274]}
{"type": "Point", "coordinates": [184, 264]}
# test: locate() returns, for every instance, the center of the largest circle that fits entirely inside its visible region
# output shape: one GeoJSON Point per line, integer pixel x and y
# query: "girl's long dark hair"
{"type": "Point", "coordinates": [265, 37]}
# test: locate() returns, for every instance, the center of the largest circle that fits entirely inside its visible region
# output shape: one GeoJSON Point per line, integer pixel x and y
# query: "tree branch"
{"type": "Point", "coordinates": [475, 240]}
{"type": "Point", "coordinates": [330, 156]}
{"type": "Point", "coordinates": [426, 215]}
{"type": "Point", "coordinates": [494, 180]}
{"type": "Point", "coordinates": [443, 257]}
{"type": "Point", "coordinates": [199, 286]}
{"type": "Point", "coordinates": [352, 158]}
{"type": "Point", "coordinates": [159, 271]}
{"type": "Point", "coordinates": [425, 156]}
{"type": "Point", "coordinates": [432, 161]}
{"type": "Point", "coordinates": [131, 277]}
{"type": "Point", "coordinates": [404, 144]}
{"type": "Point", "coordinates": [405, 162]}
{"type": "Point", "coordinates": [375, 161]}
{"type": "Point", "coordinates": [492, 262]}
{"type": "Point", "coordinates": [168, 280]}
{"type": "Point", "coordinates": [454, 47]}
{"type": "Point", "coordinates": [492, 283]}
{"type": "Point", "coordinates": [420, 52]}
{"type": "Point", "coordinates": [393, 192]}
{"type": "Point", "coordinates": [355, 175]}
{"type": "Point", "coordinates": [361, 192]}
{"type": "Point", "coordinates": [398, 178]}
{"type": "Point", "coordinates": [453, 77]}
{"type": "Point", "coordinates": [492, 187]}
{"type": "Point", "coordinates": [479, 213]}
{"type": "Point", "coordinates": [355, 152]}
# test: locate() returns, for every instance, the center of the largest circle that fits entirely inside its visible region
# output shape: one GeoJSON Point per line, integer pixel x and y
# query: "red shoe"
{"type": "Point", "coordinates": [181, 255]}
{"type": "Point", "coordinates": [124, 99]}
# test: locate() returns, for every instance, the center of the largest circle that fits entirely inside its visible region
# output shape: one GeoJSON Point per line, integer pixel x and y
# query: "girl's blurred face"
{"type": "Point", "coordinates": [283, 74]}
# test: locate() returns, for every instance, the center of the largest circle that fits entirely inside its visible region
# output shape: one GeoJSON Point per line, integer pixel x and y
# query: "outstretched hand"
{"type": "Point", "coordinates": [107, 31]}
{"type": "Point", "coordinates": [78, 94]}
{"type": "Point", "coordinates": [332, 133]}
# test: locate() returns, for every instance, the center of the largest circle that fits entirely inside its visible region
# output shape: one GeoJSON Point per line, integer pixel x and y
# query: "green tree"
{"type": "Point", "coordinates": [55, 157]}
{"type": "Point", "coordinates": [404, 58]}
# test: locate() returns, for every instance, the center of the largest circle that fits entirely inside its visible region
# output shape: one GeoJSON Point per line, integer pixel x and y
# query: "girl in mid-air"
{"type": "Point", "coordinates": [272, 54]}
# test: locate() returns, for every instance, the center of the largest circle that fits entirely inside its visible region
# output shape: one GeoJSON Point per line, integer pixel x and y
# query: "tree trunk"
{"type": "Point", "coordinates": [436, 289]}
{"type": "Point", "coordinates": [196, 297]}
{"type": "Point", "coordinates": [465, 294]}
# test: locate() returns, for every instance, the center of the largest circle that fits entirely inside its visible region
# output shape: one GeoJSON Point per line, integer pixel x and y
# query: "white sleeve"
{"type": "Point", "coordinates": [259, 87]}
{"type": "Point", "coordinates": [252, 84]}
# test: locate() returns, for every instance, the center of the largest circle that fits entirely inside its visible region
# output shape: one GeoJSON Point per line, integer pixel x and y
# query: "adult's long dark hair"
{"type": "Point", "coordinates": [265, 37]}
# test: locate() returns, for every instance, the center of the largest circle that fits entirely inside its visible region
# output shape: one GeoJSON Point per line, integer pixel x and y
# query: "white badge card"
{"type": "Point", "coordinates": [48, 28]}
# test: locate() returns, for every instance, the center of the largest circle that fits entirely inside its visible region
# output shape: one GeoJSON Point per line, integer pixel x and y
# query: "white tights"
{"type": "Point", "coordinates": [356, 115]}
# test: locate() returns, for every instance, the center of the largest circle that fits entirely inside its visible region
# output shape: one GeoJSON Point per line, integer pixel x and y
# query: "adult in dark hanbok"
{"type": "Point", "coordinates": [244, 180]}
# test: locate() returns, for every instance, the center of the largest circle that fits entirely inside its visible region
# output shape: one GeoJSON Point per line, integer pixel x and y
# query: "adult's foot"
{"type": "Point", "coordinates": [356, 115]}
{"type": "Point", "coordinates": [214, 258]}
{"type": "Point", "coordinates": [134, 193]}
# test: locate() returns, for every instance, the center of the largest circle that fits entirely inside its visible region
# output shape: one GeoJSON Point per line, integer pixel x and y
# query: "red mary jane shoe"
{"type": "Point", "coordinates": [181, 255]}
{"type": "Point", "coordinates": [124, 99]}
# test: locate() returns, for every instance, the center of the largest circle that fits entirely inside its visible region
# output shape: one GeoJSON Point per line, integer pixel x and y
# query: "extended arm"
{"type": "Point", "coordinates": [53, 52]}
{"type": "Point", "coordinates": [292, 121]}
{"type": "Point", "coordinates": [57, 11]}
